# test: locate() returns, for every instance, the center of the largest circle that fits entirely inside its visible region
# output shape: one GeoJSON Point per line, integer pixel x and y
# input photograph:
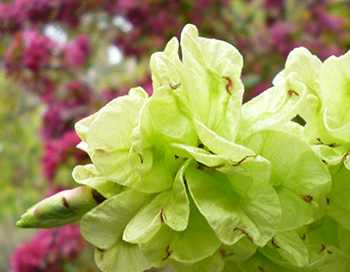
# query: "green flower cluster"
{"type": "Point", "coordinates": [192, 177]}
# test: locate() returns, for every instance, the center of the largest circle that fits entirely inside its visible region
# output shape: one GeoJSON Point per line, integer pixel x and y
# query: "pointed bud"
{"type": "Point", "coordinates": [61, 209]}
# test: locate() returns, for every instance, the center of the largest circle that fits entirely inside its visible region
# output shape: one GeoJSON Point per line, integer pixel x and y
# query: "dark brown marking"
{"type": "Point", "coordinates": [168, 253]}
{"type": "Point", "coordinates": [328, 201]}
{"type": "Point", "coordinates": [242, 160]}
{"type": "Point", "coordinates": [291, 92]}
{"type": "Point", "coordinates": [176, 157]}
{"type": "Point", "coordinates": [261, 269]}
{"type": "Point", "coordinates": [101, 249]}
{"type": "Point", "coordinates": [65, 202]}
{"type": "Point", "coordinates": [330, 145]}
{"type": "Point", "coordinates": [319, 141]}
{"type": "Point", "coordinates": [329, 252]}
{"type": "Point", "coordinates": [307, 198]}
{"type": "Point", "coordinates": [218, 166]}
{"type": "Point", "coordinates": [223, 253]}
{"type": "Point", "coordinates": [162, 215]}
{"type": "Point", "coordinates": [244, 232]}
{"type": "Point", "coordinates": [323, 247]}
{"type": "Point", "coordinates": [141, 159]}
{"type": "Point", "coordinates": [346, 154]}
{"type": "Point", "coordinates": [274, 243]}
{"type": "Point", "coordinates": [334, 145]}
{"type": "Point", "coordinates": [175, 86]}
{"type": "Point", "coordinates": [303, 237]}
{"type": "Point", "coordinates": [200, 166]}
{"type": "Point", "coordinates": [200, 145]}
{"type": "Point", "coordinates": [97, 196]}
{"type": "Point", "coordinates": [101, 150]}
{"type": "Point", "coordinates": [229, 84]}
{"type": "Point", "coordinates": [185, 182]}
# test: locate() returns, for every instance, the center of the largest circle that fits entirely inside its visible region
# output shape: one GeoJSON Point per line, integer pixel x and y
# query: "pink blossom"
{"type": "Point", "coordinates": [48, 250]}
{"type": "Point", "coordinates": [75, 53]}
{"type": "Point", "coordinates": [281, 37]}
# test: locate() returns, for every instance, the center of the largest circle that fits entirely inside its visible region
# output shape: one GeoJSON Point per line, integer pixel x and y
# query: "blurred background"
{"type": "Point", "coordinates": [61, 60]}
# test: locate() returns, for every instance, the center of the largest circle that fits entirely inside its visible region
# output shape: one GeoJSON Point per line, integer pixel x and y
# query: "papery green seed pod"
{"type": "Point", "coordinates": [63, 208]}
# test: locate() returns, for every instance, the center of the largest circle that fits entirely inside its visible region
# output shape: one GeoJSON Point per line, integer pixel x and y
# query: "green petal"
{"type": "Point", "coordinates": [117, 120]}
{"type": "Point", "coordinates": [194, 244]}
{"type": "Point", "coordinates": [197, 242]}
{"type": "Point", "coordinates": [305, 65]}
{"type": "Point", "coordinates": [89, 175]}
{"type": "Point", "coordinates": [214, 263]}
{"type": "Point", "coordinates": [239, 251]}
{"type": "Point", "coordinates": [290, 247]}
{"type": "Point", "coordinates": [177, 210]}
{"type": "Point", "coordinates": [341, 188]}
{"type": "Point", "coordinates": [232, 216]}
{"type": "Point", "coordinates": [147, 221]}
{"type": "Point", "coordinates": [231, 267]}
{"type": "Point", "coordinates": [259, 263]}
{"type": "Point", "coordinates": [334, 93]}
{"type": "Point", "coordinates": [121, 256]}
{"type": "Point", "coordinates": [220, 145]}
{"type": "Point", "coordinates": [332, 155]}
{"type": "Point", "coordinates": [337, 261]}
{"type": "Point", "coordinates": [298, 175]}
{"type": "Point", "coordinates": [170, 120]}
{"type": "Point", "coordinates": [212, 77]}
{"type": "Point", "coordinates": [105, 224]}
{"type": "Point", "coordinates": [273, 107]}
{"type": "Point", "coordinates": [340, 214]}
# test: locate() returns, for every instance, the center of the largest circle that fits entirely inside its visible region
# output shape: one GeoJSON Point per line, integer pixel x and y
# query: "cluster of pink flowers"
{"type": "Point", "coordinates": [53, 70]}
{"type": "Point", "coordinates": [48, 250]}
{"type": "Point", "coordinates": [17, 14]}
{"type": "Point", "coordinates": [75, 53]}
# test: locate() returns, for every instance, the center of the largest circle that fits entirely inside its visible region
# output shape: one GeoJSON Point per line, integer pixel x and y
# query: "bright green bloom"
{"type": "Point", "coordinates": [194, 178]}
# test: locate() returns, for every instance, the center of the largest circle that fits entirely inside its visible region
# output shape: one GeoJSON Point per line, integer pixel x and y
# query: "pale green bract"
{"type": "Point", "coordinates": [194, 178]}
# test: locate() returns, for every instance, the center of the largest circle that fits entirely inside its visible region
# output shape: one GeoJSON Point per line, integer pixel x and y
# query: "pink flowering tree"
{"type": "Point", "coordinates": [58, 50]}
